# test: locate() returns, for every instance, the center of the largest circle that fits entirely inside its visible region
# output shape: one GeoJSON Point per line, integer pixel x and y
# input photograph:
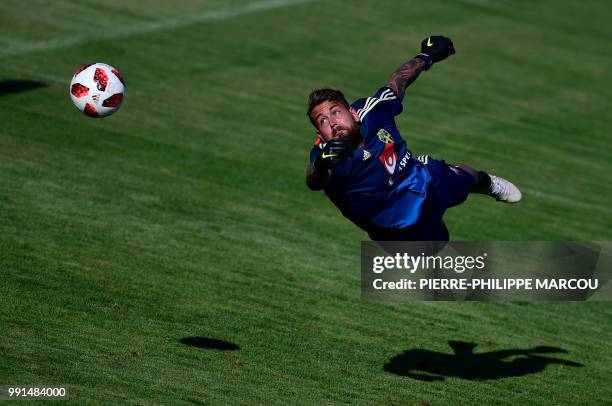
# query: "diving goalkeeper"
{"type": "Point", "coordinates": [368, 172]}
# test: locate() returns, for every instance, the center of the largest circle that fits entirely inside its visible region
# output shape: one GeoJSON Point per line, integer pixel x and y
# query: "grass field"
{"type": "Point", "coordinates": [186, 214]}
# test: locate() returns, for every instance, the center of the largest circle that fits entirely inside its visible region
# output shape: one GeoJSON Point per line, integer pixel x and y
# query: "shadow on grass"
{"type": "Point", "coordinates": [18, 86]}
{"type": "Point", "coordinates": [209, 343]}
{"type": "Point", "coordinates": [426, 365]}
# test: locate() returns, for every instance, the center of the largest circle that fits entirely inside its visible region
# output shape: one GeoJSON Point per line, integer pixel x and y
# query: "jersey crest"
{"type": "Point", "coordinates": [384, 136]}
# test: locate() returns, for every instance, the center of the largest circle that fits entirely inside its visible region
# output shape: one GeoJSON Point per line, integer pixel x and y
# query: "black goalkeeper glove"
{"type": "Point", "coordinates": [334, 152]}
{"type": "Point", "coordinates": [435, 49]}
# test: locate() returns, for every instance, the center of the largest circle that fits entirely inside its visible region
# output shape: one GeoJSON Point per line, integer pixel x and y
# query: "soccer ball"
{"type": "Point", "coordinates": [97, 89]}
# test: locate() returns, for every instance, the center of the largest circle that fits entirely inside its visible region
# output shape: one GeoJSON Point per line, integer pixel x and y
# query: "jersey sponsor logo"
{"type": "Point", "coordinates": [324, 155]}
{"type": "Point", "coordinates": [388, 159]}
{"type": "Point", "coordinates": [384, 136]}
{"type": "Point", "coordinates": [429, 43]}
{"type": "Point", "coordinates": [366, 155]}
{"type": "Point", "coordinates": [404, 161]}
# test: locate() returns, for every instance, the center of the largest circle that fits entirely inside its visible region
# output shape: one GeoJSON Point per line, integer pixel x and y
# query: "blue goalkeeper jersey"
{"type": "Point", "coordinates": [382, 185]}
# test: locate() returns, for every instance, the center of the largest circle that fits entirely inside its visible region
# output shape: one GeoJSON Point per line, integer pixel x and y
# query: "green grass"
{"type": "Point", "coordinates": [186, 213]}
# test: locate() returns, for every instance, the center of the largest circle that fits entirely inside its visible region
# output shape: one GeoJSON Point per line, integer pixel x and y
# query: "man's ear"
{"type": "Point", "coordinates": [355, 115]}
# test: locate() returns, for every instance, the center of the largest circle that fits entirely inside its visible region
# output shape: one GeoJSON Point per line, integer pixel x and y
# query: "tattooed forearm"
{"type": "Point", "coordinates": [405, 75]}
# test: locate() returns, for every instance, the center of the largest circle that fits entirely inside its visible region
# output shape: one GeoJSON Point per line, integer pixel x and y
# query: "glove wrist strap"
{"type": "Point", "coordinates": [426, 58]}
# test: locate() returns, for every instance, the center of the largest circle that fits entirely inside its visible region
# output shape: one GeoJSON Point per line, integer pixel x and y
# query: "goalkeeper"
{"type": "Point", "coordinates": [368, 172]}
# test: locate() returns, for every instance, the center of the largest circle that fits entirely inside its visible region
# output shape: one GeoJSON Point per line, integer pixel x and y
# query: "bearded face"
{"type": "Point", "coordinates": [335, 120]}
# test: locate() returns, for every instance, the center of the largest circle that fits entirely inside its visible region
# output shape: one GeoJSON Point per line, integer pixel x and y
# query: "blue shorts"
{"type": "Point", "coordinates": [449, 186]}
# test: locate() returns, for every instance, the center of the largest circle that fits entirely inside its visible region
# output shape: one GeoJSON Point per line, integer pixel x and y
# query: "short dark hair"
{"type": "Point", "coordinates": [321, 95]}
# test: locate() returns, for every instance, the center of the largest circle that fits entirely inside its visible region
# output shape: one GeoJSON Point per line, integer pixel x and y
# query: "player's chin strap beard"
{"type": "Point", "coordinates": [354, 134]}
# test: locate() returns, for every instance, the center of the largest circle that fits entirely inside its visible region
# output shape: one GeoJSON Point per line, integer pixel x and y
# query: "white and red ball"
{"type": "Point", "coordinates": [97, 89]}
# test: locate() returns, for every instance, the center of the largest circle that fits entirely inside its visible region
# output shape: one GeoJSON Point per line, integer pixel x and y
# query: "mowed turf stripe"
{"type": "Point", "coordinates": [147, 28]}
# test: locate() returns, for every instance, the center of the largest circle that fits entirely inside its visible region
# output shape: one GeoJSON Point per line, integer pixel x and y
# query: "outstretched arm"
{"type": "Point", "coordinates": [405, 75]}
{"type": "Point", "coordinates": [433, 49]}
